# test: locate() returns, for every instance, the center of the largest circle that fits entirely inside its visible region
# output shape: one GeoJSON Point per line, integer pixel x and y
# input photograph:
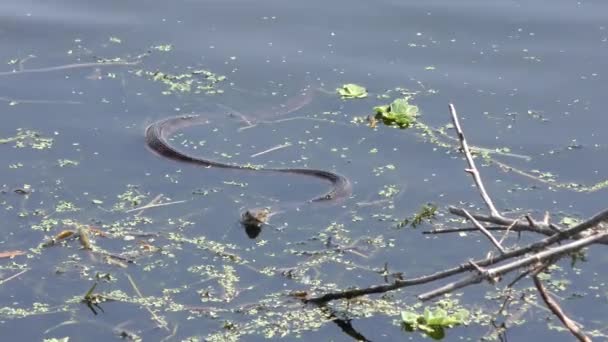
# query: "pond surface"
{"type": "Point", "coordinates": [529, 77]}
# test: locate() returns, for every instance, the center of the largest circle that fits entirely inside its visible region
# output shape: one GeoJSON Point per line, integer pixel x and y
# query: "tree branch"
{"type": "Point", "coordinates": [472, 168]}
{"type": "Point", "coordinates": [495, 272]}
{"type": "Point", "coordinates": [485, 232]}
{"type": "Point", "coordinates": [557, 311]}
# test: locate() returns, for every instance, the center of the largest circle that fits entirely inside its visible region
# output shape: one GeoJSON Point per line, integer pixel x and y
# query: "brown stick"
{"type": "Point", "coordinates": [465, 229]}
{"type": "Point", "coordinates": [496, 218]}
{"type": "Point", "coordinates": [538, 227]}
{"type": "Point", "coordinates": [485, 232]}
{"type": "Point", "coordinates": [557, 311]}
{"type": "Point", "coordinates": [495, 272]}
{"type": "Point", "coordinates": [472, 168]}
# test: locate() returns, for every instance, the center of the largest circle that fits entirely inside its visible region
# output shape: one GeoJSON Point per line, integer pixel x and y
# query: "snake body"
{"type": "Point", "coordinates": [158, 133]}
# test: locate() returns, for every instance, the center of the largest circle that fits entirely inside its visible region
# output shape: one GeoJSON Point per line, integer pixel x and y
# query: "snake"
{"type": "Point", "coordinates": [157, 139]}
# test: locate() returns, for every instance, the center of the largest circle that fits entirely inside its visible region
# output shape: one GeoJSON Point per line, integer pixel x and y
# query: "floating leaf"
{"type": "Point", "coordinates": [399, 113]}
{"type": "Point", "coordinates": [433, 322]}
{"type": "Point", "coordinates": [352, 91]}
{"type": "Point", "coordinates": [569, 221]}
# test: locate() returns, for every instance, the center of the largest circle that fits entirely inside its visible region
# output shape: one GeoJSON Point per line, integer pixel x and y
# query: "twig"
{"type": "Point", "coordinates": [504, 236]}
{"type": "Point", "coordinates": [519, 263]}
{"type": "Point", "coordinates": [278, 147]}
{"type": "Point", "coordinates": [464, 230]}
{"type": "Point", "coordinates": [269, 122]}
{"type": "Point", "coordinates": [67, 66]}
{"type": "Point", "coordinates": [557, 311]}
{"type": "Point", "coordinates": [563, 235]}
{"type": "Point", "coordinates": [530, 220]}
{"type": "Point", "coordinates": [521, 276]}
{"type": "Point", "coordinates": [155, 200]}
{"type": "Point", "coordinates": [26, 101]}
{"type": "Point", "coordinates": [233, 112]}
{"type": "Point", "coordinates": [485, 232]}
{"type": "Point", "coordinates": [546, 218]}
{"type": "Point", "coordinates": [472, 168]}
{"type": "Point", "coordinates": [13, 276]}
{"type": "Point", "coordinates": [171, 335]}
{"type": "Point", "coordinates": [538, 227]}
{"type": "Point", "coordinates": [160, 322]}
{"type": "Point", "coordinates": [154, 205]}
{"type": "Point", "coordinates": [495, 218]}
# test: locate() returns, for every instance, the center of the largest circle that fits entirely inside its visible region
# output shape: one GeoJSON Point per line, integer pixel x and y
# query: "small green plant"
{"type": "Point", "coordinates": [427, 212]}
{"type": "Point", "coordinates": [352, 91]}
{"type": "Point", "coordinates": [433, 322]}
{"type": "Point", "coordinates": [399, 113]}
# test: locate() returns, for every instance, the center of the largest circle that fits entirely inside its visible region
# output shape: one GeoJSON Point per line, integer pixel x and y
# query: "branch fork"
{"type": "Point", "coordinates": [532, 258]}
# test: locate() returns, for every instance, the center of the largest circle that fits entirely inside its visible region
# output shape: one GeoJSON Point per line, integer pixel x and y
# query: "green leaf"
{"type": "Point", "coordinates": [435, 317]}
{"type": "Point", "coordinates": [433, 322]}
{"type": "Point", "coordinates": [352, 91]}
{"type": "Point", "coordinates": [402, 107]}
{"type": "Point", "coordinates": [409, 317]}
{"type": "Point", "coordinates": [399, 113]}
{"type": "Point", "coordinates": [569, 221]}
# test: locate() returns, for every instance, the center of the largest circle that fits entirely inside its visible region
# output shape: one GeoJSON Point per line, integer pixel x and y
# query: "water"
{"type": "Point", "coordinates": [524, 75]}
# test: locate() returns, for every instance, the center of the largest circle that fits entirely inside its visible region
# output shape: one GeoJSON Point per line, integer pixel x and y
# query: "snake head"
{"type": "Point", "coordinates": [256, 217]}
{"type": "Point", "coordinates": [253, 220]}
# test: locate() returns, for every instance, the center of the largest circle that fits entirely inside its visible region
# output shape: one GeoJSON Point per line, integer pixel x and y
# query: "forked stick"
{"type": "Point", "coordinates": [472, 168]}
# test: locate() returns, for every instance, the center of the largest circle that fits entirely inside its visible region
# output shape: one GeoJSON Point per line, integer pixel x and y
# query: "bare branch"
{"type": "Point", "coordinates": [472, 168]}
{"type": "Point", "coordinates": [485, 232]}
{"type": "Point", "coordinates": [463, 230]}
{"type": "Point", "coordinates": [13, 276]}
{"type": "Point", "coordinates": [492, 273]}
{"type": "Point", "coordinates": [557, 311]}
{"type": "Point", "coordinates": [563, 235]}
{"type": "Point", "coordinates": [530, 220]}
{"type": "Point", "coordinates": [546, 218]}
{"type": "Point", "coordinates": [538, 227]}
{"type": "Point", "coordinates": [509, 228]}
{"type": "Point", "coordinates": [555, 234]}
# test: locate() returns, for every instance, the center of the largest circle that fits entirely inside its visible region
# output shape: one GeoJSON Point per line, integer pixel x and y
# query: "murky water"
{"type": "Point", "coordinates": [527, 76]}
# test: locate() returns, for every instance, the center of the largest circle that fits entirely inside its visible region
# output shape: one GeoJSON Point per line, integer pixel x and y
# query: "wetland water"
{"type": "Point", "coordinates": [527, 76]}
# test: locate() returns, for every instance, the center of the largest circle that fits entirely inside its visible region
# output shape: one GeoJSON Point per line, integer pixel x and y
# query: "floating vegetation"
{"type": "Point", "coordinates": [352, 91]}
{"type": "Point", "coordinates": [570, 221]}
{"type": "Point", "coordinates": [65, 206]}
{"type": "Point", "coordinates": [188, 276]}
{"type": "Point", "coordinates": [434, 322]}
{"type": "Point", "coordinates": [37, 308]}
{"type": "Point", "coordinates": [131, 198]}
{"type": "Point", "coordinates": [399, 113]}
{"type": "Point", "coordinates": [235, 183]}
{"type": "Point", "coordinates": [197, 81]}
{"type": "Point", "coordinates": [379, 170]}
{"type": "Point", "coordinates": [67, 163]}
{"type": "Point", "coordinates": [163, 48]}
{"type": "Point", "coordinates": [389, 191]}
{"type": "Point", "coordinates": [28, 138]}
{"type": "Point", "coordinates": [426, 213]}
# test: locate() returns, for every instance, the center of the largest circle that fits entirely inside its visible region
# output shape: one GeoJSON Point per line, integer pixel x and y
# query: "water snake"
{"type": "Point", "coordinates": [158, 134]}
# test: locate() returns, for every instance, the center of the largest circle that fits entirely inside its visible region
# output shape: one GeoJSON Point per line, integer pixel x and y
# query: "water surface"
{"type": "Point", "coordinates": [524, 75]}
